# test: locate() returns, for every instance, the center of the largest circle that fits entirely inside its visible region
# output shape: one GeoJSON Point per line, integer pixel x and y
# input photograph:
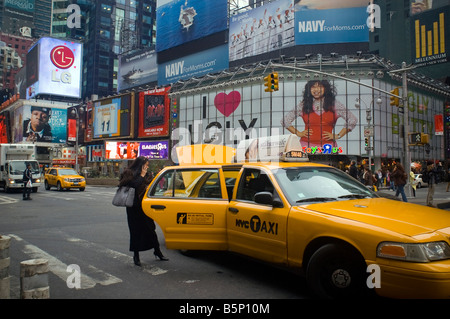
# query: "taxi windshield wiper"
{"type": "Point", "coordinates": [354, 196]}
{"type": "Point", "coordinates": [316, 199]}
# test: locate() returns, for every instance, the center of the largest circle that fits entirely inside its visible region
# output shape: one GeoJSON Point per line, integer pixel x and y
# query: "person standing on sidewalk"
{"type": "Point", "coordinates": [27, 177]}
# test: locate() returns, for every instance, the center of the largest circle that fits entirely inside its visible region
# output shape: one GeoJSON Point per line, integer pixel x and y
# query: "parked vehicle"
{"type": "Point", "coordinates": [13, 162]}
{"type": "Point", "coordinates": [307, 217]}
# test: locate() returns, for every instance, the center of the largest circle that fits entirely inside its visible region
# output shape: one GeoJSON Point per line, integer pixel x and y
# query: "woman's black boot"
{"type": "Point", "coordinates": [159, 254]}
{"type": "Point", "coordinates": [136, 260]}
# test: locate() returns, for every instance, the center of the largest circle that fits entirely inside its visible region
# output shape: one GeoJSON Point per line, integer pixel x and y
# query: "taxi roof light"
{"type": "Point", "coordinates": [277, 148]}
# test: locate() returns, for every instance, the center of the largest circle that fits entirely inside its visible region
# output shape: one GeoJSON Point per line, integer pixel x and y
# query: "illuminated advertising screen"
{"type": "Point", "coordinates": [181, 21]}
{"type": "Point", "coordinates": [137, 69]}
{"type": "Point", "coordinates": [40, 124]}
{"type": "Point", "coordinates": [112, 117]}
{"type": "Point", "coordinates": [154, 110]}
{"type": "Point", "coordinates": [122, 150]}
{"type": "Point", "coordinates": [4, 127]}
{"type": "Point", "coordinates": [330, 21]}
{"type": "Point", "coordinates": [59, 69]}
{"type": "Point", "coordinates": [263, 29]}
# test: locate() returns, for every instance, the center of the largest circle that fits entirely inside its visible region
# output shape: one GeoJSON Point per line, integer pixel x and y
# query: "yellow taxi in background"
{"type": "Point", "coordinates": [314, 218]}
{"type": "Point", "coordinates": [63, 178]}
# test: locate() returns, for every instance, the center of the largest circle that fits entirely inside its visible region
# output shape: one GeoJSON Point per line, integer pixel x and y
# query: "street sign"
{"type": "Point", "coordinates": [368, 131]}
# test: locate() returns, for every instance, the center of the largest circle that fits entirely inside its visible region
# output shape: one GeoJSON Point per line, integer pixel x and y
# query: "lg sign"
{"type": "Point", "coordinates": [63, 58]}
{"type": "Point", "coordinates": [60, 65]}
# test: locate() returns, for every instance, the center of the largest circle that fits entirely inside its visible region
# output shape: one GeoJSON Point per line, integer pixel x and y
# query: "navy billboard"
{"type": "Point", "coordinates": [182, 21]}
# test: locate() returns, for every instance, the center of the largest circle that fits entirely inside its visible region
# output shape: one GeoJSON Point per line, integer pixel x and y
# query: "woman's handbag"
{"type": "Point", "coordinates": [124, 196]}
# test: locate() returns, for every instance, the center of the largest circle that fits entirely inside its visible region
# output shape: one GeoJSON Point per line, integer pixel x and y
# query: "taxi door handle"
{"type": "Point", "coordinates": [233, 210]}
{"type": "Point", "coordinates": [158, 207]}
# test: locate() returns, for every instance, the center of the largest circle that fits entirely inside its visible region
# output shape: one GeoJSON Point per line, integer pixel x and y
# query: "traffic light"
{"type": "Point", "coordinates": [366, 141]}
{"type": "Point", "coordinates": [268, 83]}
{"type": "Point", "coordinates": [395, 100]}
{"type": "Point", "coordinates": [416, 138]}
{"type": "Point", "coordinates": [274, 81]}
{"type": "Point", "coordinates": [419, 138]}
{"type": "Point", "coordinates": [424, 138]}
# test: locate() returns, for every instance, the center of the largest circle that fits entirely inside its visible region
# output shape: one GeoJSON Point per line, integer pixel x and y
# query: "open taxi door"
{"type": "Point", "coordinates": [189, 202]}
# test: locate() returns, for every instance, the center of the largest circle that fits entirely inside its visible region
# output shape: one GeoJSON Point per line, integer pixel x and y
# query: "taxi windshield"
{"type": "Point", "coordinates": [319, 184]}
{"type": "Point", "coordinates": [67, 171]}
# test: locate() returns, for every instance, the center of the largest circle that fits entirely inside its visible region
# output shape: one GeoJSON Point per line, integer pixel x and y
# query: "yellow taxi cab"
{"type": "Point", "coordinates": [63, 178]}
{"type": "Point", "coordinates": [316, 219]}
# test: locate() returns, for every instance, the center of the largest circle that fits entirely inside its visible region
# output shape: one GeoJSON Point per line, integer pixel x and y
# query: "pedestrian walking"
{"type": "Point", "coordinates": [353, 170]}
{"type": "Point", "coordinates": [399, 177]}
{"type": "Point", "coordinates": [367, 177]}
{"type": "Point", "coordinates": [27, 182]}
{"type": "Point", "coordinates": [429, 174]}
{"type": "Point", "coordinates": [413, 182]}
{"type": "Point", "coordinates": [142, 228]}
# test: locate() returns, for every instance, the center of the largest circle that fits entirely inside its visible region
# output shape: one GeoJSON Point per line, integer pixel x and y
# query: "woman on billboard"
{"type": "Point", "coordinates": [319, 111]}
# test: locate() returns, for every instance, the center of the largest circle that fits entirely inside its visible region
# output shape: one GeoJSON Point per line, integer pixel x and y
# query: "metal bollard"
{"type": "Point", "coordinates": [4, 267]}
{"type": "Point", "coordinates": [34, 279]}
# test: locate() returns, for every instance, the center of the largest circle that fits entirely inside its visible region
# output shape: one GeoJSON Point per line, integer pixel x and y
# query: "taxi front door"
{"type": "Point", "coordinates": [190, 207]}
{"type": "Point", "coordinates": [254, 229]}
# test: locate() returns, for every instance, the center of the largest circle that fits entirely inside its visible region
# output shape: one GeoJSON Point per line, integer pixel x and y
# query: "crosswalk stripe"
{"type": "Point", "coordinates": [7, 200]}
{"type": "Point", "coordinates": [60, 269]}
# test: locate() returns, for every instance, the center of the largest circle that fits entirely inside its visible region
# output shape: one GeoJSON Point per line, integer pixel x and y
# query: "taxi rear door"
{"type": "Point", "coordinates": [254, 229]}
{"type": "Point", "coordinates": [189, 204]}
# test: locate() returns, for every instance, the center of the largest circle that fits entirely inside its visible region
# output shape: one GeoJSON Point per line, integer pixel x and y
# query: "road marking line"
{"type": "Point", "coordinates": [7, 200]}
{"type": "Point", "coordinates": [60, 269]}
{"type": "Point", "coordinates": [153, 270]}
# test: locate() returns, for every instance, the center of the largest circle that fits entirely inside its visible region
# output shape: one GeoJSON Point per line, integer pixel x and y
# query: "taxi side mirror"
{"type": "Point", "coordinates": [266, 198]}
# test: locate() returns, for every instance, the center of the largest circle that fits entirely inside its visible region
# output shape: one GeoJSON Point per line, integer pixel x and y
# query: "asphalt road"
{"type": "Point", "coordinates": [83, 229]}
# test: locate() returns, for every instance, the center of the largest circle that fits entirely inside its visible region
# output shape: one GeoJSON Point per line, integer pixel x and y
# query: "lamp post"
{"type": "Point", "coordinates": [76, 111]}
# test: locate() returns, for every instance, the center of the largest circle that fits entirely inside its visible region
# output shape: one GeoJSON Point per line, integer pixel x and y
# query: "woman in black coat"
{"type": "Point", "coordinates": [142, 228]}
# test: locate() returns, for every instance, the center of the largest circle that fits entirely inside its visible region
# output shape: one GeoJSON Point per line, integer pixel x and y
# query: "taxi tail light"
{"type": "Point", "coordinates": [424, 252]}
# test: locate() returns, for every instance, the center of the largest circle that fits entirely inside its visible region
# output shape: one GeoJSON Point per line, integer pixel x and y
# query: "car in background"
{"type": "Point", "coordinates": [63, 178]}
{"type": "Point", "coordinates": [418, 180]}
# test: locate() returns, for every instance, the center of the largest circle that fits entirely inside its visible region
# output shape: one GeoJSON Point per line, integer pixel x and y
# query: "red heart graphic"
{"type": "Point", "coordinates": [227, 103]}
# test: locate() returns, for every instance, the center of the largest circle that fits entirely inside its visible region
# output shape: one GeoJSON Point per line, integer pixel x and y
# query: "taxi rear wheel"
{"type": "Point", "coordinates": [335, 271]}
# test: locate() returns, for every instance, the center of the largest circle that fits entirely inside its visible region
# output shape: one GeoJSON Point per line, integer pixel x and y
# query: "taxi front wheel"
{"type": "Point", "coordinates": [335, 271]}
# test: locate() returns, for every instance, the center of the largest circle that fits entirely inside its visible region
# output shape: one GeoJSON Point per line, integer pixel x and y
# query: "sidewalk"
{"type": "Point", "coordinates": [441, 198]}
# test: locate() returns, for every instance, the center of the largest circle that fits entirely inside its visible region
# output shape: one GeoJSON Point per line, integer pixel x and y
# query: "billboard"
{"type": "Point", "coordinates": [334, 126]}
{"type": "Point", "coordinates": [112, 117]}
{"type": "Point", "coordinates": [154, 111]}
{"type": "Point", "coordinates": [58, 71]}
{"type": "Point", "coordinates": [263, 29]}
{"type": "Point", "coordinates": [181, 21]}
{"type": "Point", "coordinates": [194, 65]}
{"type": "Point", "coordinates": [21, 5]}
{"type": "Point", "coordinates": [430, 38]}
{"type": "Point", "coordinates": [40, 124]}
{"type": "Point", "coordinates": [330, 21]}
{"type": "Point", "coordinates": [5, 128]}
{"type": "Point", "coordinates": [137, 69]}
{"type": "Point", "coordinates": [121, 150]}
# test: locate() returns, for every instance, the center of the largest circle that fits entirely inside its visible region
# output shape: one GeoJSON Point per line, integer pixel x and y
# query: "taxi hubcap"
{"type": "Point", "coordinates": [341, 278]}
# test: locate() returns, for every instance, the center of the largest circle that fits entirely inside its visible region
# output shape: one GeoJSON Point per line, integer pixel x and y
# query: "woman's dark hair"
{"type": "Point", "coordinates": [136, 167]}
{"type": "Point", "coordinates": [329, 96]}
